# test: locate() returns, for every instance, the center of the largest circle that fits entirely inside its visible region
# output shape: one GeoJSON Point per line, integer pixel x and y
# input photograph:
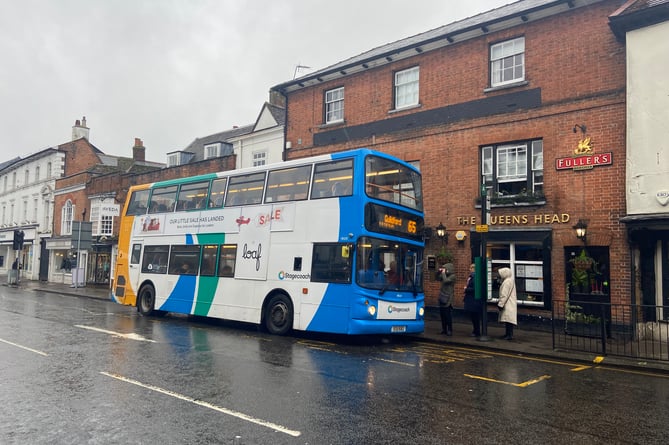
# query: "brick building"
{"type": "Point", "coordinates": [529, 99]}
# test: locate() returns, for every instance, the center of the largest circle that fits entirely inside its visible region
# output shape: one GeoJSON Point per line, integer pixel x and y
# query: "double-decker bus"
{"type": "Point", "coordinates": [332, 243]}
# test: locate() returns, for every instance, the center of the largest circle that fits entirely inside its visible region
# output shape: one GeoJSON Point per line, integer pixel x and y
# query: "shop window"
{"type": "Point", "coordinates": [587, 271]}
{"type": "Point", "coordinates": [526, 263]}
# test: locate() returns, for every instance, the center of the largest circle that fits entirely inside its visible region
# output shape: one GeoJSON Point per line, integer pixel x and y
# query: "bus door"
{"type": "Point", "coordinates": [134, 266]}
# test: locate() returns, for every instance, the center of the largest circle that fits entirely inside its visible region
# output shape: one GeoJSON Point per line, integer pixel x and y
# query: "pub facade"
{"type": "Point", "coordinates": [516, 118]}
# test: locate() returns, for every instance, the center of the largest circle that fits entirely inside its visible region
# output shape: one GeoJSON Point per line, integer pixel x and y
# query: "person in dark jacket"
{"type": "Point", "coordinates": [472, 305]}
{"type": "Point", "coordinates": [446, 275]}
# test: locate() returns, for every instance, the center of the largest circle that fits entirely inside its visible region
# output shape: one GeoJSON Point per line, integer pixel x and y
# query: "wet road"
{"type": "Point", "coordinates": [78, 370]}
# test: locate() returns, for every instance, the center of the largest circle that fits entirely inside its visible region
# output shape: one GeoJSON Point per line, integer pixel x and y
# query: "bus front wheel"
{"type": "Point", "coordinates": [279, 315]}
{"type": "Point", "coordinates": [146, 300]}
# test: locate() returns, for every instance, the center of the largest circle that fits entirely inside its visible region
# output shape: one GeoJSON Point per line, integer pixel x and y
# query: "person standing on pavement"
{"type": "Point", "coordinates": [507, 303]}
{"type": "Point", "coordinates": [472, 305]}
{"type": "Point", "coordinates": [446, 275]}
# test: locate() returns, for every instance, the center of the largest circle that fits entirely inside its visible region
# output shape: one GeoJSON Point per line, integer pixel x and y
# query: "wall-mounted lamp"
{"type": "Point", "coordinates": [583, 128]}
{"type": "Point", "coordinates": [441, 233]}
{"type": "Point", "coordinates": [581, 229]}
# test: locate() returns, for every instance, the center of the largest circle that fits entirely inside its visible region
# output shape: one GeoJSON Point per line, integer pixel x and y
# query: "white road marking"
{"type": "Point", "coordinates": [131, 336]}
{"type": "Point", "coordinates": [24, 347]}
{"type": "Point", "coordinates": [204, 404]}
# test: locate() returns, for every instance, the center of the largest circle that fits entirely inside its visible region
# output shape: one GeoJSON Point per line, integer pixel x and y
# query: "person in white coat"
{"type": "Point", "coordinates": [507, 303]}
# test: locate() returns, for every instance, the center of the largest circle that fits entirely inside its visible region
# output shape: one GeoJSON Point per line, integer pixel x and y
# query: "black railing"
{"type": "Point", "coordinates": [637, 331]}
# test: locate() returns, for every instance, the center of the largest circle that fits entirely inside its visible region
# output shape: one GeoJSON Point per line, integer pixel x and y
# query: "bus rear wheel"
{"type": "Point", "coordinates": [279, 315]}
{"type": "Point", "coordinates": [146, 300]}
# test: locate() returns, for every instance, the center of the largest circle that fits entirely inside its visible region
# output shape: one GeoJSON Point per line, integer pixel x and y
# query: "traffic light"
{"type": "Point", "coordinates": [18, 240]}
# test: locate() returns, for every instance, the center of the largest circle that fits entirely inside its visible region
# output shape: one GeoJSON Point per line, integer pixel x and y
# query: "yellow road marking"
{"type": "Point", "coordinates": [518, 385]}
{"type": "Point", "coordinates": [580, 368]}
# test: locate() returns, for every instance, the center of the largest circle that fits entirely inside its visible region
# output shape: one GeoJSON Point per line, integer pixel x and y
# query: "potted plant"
{"type": "Point", "coordinates": [577, 322]}
{"type": "Point", "coordinates": [444, 256]}
{"type": "Point", "coordinates": [582, 267]}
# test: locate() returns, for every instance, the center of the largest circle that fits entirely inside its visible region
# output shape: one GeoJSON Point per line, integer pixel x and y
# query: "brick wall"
{"type": "Point", "coordinates": [579, 67]}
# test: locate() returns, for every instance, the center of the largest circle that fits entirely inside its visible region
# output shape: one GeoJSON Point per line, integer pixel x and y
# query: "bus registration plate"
{"type": "Point", "coordinates": [398, 329]}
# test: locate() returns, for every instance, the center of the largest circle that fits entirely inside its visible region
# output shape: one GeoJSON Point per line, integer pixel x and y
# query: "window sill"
{"type": "Point", "coordinates": [407, 108]}
{"type": "Point", "coordinates": [332, 124]}
{"type": "Point", "coordinates": [513, 204]}
{"type": "Point", "coordinates": [522, 83]}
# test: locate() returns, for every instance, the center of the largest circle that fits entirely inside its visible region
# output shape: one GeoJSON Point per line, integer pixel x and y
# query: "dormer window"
{"type": "Point", "coordinates": [212, 151]}
{"type": "Point", "coordinates": [178, 158]}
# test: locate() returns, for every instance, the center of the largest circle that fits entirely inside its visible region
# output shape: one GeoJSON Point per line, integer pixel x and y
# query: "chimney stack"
{"type": "Point", "coordinates": [138, 151]}
{"type": "Point", "coordinates": [80, 130]}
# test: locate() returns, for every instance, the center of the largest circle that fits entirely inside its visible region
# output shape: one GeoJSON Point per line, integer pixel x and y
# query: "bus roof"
{"type": "Point", "coordinates": [358, 152]}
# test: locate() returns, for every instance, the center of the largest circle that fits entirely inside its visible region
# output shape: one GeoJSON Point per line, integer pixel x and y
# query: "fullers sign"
{"type": "Point", "coordinates": [583, 158]}
{"type": "Point", "coordinates": [584, 162]}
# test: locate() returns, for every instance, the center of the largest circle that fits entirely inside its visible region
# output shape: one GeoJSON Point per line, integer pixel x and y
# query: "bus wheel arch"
{"type": "Point", "coordinates": [146, 299]}
{"type": "Point", "coordinates": [278, 313]}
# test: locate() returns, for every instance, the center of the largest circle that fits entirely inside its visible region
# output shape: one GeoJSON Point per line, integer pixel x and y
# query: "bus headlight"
{"type": "Point", "coordinates": [371, 309]}
{"type": "Point", "coordinates": [421, 311]}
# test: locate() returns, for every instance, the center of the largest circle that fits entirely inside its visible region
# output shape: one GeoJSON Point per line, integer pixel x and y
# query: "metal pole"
{"type": "Point", "coordinates": [76, 274]}
{"type": "Point", "coordinates": [484, 278]}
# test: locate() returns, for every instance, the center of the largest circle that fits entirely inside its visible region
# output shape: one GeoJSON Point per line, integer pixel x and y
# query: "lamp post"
{"type": "Point", "coordinates": [483, 279]}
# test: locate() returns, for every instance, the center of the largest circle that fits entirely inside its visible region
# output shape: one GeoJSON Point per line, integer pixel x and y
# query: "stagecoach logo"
{"type": "Point", "coordinates": [392, 309]}
{"type": "Point", "coordinates": [294, 276]}
{"type": "Point", "coordinates": [662, 197]}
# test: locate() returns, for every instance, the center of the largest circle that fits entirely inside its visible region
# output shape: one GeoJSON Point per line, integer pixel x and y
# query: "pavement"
{"type": "Point", "coordinates": [528, 341]}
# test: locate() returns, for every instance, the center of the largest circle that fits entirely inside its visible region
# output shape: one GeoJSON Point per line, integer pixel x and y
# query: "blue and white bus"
{"type": "Point", "coordinates": [331, 243]}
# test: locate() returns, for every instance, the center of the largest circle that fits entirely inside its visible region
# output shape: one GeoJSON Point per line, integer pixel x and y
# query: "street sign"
{"type": "Point", "coordinates": [480, 228]}
{"type": "Point", "coordinates": [82, 235]}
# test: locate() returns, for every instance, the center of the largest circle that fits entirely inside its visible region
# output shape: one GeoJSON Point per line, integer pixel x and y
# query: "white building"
{"type": "Point", "coordinates": [26, 204]}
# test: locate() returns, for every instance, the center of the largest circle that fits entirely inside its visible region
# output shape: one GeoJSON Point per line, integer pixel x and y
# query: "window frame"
{"type": "Point", "coordinates": [335, 271]}
{"type": "Point", "coordinates": [259, 158]}
{"type": "Point", "coordinates": [406, 88]}
{"type": "Point", "coordinates": [185, 254]}
{"type": "Point", "coordinates": [212, 150]}
{"type": "Point", "coordinates": [67, 215]}
{"type": "Point", "coordinates": [334, 105]}
{"type": "Point", "coordinates": [161, 253]}
{"type": "Point", "coordinates": [288, 184]}
{"type": "Point", "coordinates": [513, 51]}
{"type": "Point", "coordinates": [245, 189]}
{"type": "Point", "coordinates": [530, 183]}
{"type": "Point", "coordinates": [227, 257]}
{"type": "Point", "coordinates": [332, 179]}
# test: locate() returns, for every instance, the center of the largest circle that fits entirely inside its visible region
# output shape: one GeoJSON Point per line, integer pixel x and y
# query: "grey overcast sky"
{"type": "Point", "coordinates": [169, 71]}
